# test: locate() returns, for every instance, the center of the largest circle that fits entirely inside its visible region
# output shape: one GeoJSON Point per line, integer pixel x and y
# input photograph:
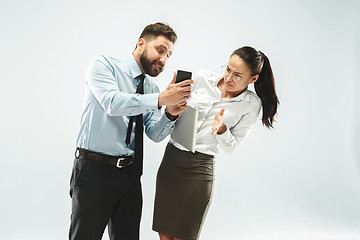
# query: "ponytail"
{"type": "Point", "coordinates": [265, 89]}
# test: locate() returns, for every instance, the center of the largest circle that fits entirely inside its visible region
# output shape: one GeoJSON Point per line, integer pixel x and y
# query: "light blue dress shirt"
{"type": "Point", "coordinates": [110, 99]}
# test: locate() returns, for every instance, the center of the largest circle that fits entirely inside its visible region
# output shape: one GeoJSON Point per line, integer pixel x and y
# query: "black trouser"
{"type": "Point", "coordinates": [104, 195]}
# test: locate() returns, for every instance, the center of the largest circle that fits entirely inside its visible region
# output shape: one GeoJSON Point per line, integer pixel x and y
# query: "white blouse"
{"type": "Point", "coordinates": [240, 114]}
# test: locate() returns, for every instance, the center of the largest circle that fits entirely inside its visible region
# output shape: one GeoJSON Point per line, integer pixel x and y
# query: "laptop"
{"type": "Point", "coordinates": [185, 130]}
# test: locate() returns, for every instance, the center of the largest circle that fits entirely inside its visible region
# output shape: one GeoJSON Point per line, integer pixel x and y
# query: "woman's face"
{"type": "Point", "coordinates": [237, 76]}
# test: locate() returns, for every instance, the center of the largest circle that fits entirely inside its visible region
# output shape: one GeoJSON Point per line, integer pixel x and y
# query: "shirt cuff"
{"type": "Point", "coordinates": [167, 126]}
{"type": "Point", "coordinates": [165, 121]}
{"type": "Point", "coordinates": [171, 117]}
{"type": "Point", "coordinates": [223, 137]}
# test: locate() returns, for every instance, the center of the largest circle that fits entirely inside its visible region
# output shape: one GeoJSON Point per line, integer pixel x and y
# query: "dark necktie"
{"type": "Point", "coordinates": [139, 128]}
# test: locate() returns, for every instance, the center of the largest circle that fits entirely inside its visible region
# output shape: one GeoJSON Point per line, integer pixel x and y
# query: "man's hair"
{"type": "Point", "coordinates": [157, 29]}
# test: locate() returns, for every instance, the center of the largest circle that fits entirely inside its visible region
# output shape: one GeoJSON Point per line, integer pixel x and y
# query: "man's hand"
{"type": "Point", "coordinates": [218, 126]}
{"type": "Point", "coordinates": [175, 93]}
{"type": "Point", "coordinates": [175, 110]}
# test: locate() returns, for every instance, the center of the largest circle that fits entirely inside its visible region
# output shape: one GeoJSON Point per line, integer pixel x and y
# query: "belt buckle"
{"type": "Point", "coordinates": [119, 162]}
{"type": "Point", "coordinates": [77, 153]}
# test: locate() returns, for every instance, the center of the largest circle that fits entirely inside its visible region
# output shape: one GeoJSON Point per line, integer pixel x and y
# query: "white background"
{"type": "Point", "coordinates": [298, 181]}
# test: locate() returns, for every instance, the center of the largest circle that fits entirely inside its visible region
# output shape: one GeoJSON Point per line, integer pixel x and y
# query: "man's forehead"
{"type": "Point", "coordinates": [164, 42]}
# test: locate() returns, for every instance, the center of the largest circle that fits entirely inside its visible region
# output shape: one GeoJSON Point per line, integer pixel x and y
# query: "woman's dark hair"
{"type": "Point", "coordinates": [157, 29]}
{"type": "Point", "coordinates": [259, 64]}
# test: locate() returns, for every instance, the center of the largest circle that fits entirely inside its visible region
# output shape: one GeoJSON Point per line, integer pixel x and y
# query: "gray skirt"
{"type": "Point", "coordinates": [183, 193]}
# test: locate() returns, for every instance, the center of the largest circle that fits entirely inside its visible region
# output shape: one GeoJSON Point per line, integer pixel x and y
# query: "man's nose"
{"type": "Point", "coordinates": [163, 59]}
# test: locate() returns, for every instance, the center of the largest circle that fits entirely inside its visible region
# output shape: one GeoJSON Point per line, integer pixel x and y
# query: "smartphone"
{"type": "Point", "coordinates": [182, 75]}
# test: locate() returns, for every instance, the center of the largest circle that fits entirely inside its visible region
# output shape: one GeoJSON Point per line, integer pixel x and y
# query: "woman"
{"type": "Point", "coordinates": [227, 111]}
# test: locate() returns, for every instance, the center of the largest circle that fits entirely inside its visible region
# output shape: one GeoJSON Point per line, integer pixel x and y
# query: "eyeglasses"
{"type": "Point", "coordinates": [235, 77]}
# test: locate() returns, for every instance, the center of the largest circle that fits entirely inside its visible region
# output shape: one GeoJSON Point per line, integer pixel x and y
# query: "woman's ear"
{"type": "Point", "coordinates": [254, 79]}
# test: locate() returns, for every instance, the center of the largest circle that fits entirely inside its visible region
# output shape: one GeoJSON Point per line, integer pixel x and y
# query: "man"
{"type": "Point", "coordinates": [105, 182]}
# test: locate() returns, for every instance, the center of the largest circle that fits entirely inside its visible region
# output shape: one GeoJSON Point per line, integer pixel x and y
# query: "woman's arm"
{"type": "Point", "coordinates": [229, 138]}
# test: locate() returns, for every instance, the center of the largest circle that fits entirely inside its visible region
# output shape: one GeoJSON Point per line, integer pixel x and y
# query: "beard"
{"type": "Point", "coordinates": [148, 65]}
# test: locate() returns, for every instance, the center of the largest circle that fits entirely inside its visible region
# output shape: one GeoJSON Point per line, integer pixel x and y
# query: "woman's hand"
{"type": "Point", "coordinates": [218, 126]}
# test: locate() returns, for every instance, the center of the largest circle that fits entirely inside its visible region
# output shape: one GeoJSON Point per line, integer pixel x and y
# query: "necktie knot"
{"type": "Point", "coordinates": [142, 77]}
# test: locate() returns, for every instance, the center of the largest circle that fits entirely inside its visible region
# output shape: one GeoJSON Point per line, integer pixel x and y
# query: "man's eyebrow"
{"type": "Point", "coordinates": [162, 45]}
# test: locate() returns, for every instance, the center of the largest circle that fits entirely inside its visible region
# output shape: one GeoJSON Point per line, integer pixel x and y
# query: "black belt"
{"type": "Point", "coordinates": [118, 161]}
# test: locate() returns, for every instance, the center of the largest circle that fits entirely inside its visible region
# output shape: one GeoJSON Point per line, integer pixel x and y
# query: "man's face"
{"type": "Point", "coordinates": [155, 54]}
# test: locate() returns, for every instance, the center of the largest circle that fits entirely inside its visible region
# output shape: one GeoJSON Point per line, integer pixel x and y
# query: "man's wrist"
{"type": "Point", "coordinates": [170, 116]}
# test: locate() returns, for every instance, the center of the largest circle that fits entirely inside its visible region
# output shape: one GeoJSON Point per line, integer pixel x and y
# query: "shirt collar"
{"type": "Point", "coordinates": [244, 96]}
{"type": "Point", "coordinates": [134, 67]}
